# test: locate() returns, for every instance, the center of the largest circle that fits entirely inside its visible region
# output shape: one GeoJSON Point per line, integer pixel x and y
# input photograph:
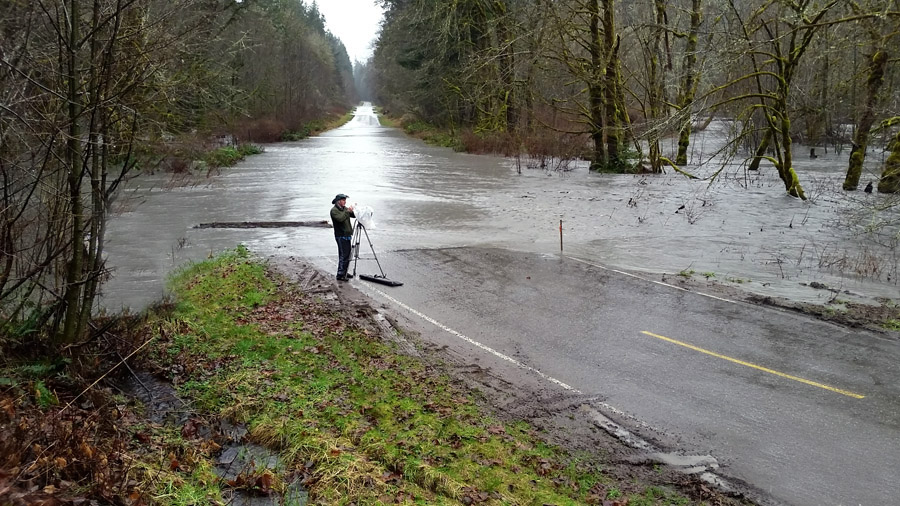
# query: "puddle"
{"type": "Point", "coordinates": [240, 462]}
{"type": "Point", "coordinates": [247, 463]}
{"type": "Point", "coordinates": [159, 398]}
{"type": "Point", "coordinates": [703, 466]}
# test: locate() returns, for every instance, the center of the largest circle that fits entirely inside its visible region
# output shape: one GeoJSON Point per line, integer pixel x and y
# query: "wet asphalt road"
{"type": "Point", "coordinates": [805, 412]}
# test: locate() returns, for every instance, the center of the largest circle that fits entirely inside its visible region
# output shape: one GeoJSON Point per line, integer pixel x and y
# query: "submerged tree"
{"type": "Point", "coordinates": [881, 30]}
{"type": "Point", "coordinates": [890, 174]}
{"type": "Point", "coordinates": [579, 67]}
{"type": "Point", "coordinates": [588, 47]}
{"type": "Point", "coordinates": [777, 36]}
{"type": "Point", "coordinates": [689, 80]}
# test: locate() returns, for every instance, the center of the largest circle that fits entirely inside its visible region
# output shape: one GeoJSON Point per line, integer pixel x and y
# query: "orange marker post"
{"type": "Point", "coordinates": [560, 236]}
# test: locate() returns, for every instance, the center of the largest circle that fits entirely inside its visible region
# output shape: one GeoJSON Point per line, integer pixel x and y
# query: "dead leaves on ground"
{"type": "Point", "coordinates": [48, 455]}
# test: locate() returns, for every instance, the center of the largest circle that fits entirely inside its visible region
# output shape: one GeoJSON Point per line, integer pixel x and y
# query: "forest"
{"type": "Point", "coordinates": [94, 92]}
{"type": "Point", "coordinates": [612, 81]}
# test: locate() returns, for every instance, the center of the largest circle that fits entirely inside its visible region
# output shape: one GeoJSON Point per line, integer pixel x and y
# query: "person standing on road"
{"type": "Point", "coordinates": [343, 233]}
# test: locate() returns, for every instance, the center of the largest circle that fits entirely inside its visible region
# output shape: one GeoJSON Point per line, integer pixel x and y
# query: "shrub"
{"type": "Point", "coordinates": [229, 155]}
{"type": "Point", "coordinates": [295, 135]}
{"type": "Point", "coordinates": [415, 127]}
{"type": "Point", "coordinates": [263, 130]}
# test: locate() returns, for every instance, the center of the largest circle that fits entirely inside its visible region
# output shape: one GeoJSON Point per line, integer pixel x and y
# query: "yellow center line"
{"type": "Point", "coordinates": [754, 366]}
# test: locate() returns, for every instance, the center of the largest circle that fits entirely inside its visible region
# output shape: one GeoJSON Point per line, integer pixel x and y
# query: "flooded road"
{"type": "Point", "coordinates": [742, 229]}
{"type": "Point", "coordinates": [755, 387]}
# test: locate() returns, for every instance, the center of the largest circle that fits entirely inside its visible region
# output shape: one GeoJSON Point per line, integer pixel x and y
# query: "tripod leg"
{"type": "Point", "coordinates": [373, 253]}
{"type": "Point", "coordinates": [354, 246]}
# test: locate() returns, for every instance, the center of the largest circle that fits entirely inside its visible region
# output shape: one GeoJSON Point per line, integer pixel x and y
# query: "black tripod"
{"type": "Point", "coordinates": [358, 232]}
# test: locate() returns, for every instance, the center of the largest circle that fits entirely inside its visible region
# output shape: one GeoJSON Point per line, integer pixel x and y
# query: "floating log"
{"type": "Point", "coordinates": [265, 224]}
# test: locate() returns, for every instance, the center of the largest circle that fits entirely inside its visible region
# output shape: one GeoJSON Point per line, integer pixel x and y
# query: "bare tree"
{"type": "Point", "coordinates": [84, 81]}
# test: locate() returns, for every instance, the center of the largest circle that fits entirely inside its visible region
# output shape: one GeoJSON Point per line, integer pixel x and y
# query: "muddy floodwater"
{"type": "Point", "coordinates": [742, 229]}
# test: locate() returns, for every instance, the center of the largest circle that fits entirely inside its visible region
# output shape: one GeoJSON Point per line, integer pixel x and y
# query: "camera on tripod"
{"type": "Point", "coordinates": [365, 221]}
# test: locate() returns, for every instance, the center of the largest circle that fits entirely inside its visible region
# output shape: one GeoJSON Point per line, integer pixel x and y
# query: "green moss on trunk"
{"type": "Point", "coordinates": [890, 176]}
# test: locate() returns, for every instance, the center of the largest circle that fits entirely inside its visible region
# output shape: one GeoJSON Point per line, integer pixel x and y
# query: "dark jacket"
{"type": "Point", "coordinates": [340, 216]}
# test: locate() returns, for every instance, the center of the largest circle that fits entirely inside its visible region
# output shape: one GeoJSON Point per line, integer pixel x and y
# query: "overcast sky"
{"type": "Point", "coordinates": [355, 22]}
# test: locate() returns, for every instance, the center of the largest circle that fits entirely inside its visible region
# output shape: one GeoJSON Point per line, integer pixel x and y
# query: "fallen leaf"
{"type": "Point", "coordinates": [264, 482]}
{"type": "Point", "coordinates": [86, 450]}
{"type": "Point", "coordinates": [7, 406]}
{"type": "Point", "coordinates": [189, 431]}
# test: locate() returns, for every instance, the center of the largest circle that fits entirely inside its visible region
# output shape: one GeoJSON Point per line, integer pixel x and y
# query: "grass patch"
{"type": "Point", "coordinates": [362, 423]}
{"type": "Point", "coordinates": [385, 120]}
{"type": "Point", "coordinates": [431, 134]}
{"type": "Point", "coordinates": [892, 325]}
{"type": "Point", "coordinates": [316, 127]}
{"type": "Point", "coordinates": [227, 156]}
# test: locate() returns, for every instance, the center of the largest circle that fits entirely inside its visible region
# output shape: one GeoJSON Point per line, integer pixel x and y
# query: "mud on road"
{"type": "Point", "coordinates": [839, 310]}
{"type": "Point", "coordinates": [566, 419]}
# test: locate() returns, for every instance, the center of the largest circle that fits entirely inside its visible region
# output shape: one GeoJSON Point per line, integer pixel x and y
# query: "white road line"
{"type": "Point", "coordinates": [607, 407]}
{"type": "Point", "coordinates": [599, 418]}
{"type": "Point", "coordinates": [477, 344]}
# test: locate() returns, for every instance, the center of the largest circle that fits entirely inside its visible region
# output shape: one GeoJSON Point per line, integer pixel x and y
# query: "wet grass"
{"type": "Point", "coordinates": [386, 120]}
{"type": "Point", "coordinates": [316, 127]}
{"type": "Point", "coordinates": [229, 155]}
{"type": "Point", "coordinates": [432, 134]}
{"type": "Point", "coordinates": [329, 123]}
{"type": "Point", "coordinates": [360, 423]}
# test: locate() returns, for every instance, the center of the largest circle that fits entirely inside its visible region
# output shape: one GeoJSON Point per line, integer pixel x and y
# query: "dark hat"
{"type": "Point", "coordinates": [337, 197]}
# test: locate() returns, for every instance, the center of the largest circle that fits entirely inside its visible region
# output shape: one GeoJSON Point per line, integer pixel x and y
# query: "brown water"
{"type": "Point", "coordinates": [741, 229]}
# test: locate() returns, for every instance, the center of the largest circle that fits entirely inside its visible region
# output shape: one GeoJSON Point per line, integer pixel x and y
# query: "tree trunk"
{"type": "Point", "coordinates": [689, 83]}
{"type": "Point", "coordinates": [600, 159]}
{"type": "Point", "coordinates": [612, 111]}
{"type": "Point", "coordinates": [623, 120]}
{"type": "Point", "coordinates": [655, 87]}
{"type": "Point", "coordinates": [861, 140]}
{"type": "Point", "coordinates": [507, 67]}
{"type": "Point", "coordinates": [75, 265]}
{"type": "Point", "coordinates": [761, 150]}
{"type": "Point", "coordinates": [94, 139]}
{"type": "Point", "coordinates": [824, 129]}
{"type": "Point", "coordinates": [890, 175]}
{"type": "Point", "coordinates": [786, 167]}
